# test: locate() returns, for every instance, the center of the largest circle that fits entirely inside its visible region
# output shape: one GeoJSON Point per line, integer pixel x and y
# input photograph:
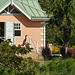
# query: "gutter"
{"type": "Point", "coordinates": [39, 19]}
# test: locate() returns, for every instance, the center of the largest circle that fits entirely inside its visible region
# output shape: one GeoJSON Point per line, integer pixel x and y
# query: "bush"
{"type": "Point", "coordinates": [6, 71]}
{"type": "Point", "coordinates": [61, 67]}
{"type": "Point", "coordinates": [10, 64]}
{"type": "Point", "coordinates": [71, 52]}
{"type": "Point", "coordinates": [56, 66]}
{"type": "Point", "coordinates": [56, 49]}
{"type": "Point", "coordinates": [9, 59]}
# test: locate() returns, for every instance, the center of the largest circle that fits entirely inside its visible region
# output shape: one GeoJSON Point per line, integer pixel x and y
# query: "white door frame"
{"type": "Point", "coordinates": [5, 31]}
{"type": "Point", "coordinates": [9, 31]}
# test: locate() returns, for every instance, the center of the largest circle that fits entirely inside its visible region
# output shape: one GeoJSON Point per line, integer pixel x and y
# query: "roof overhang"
{"type": "Point", "coordinates": [31, 18]}
{"type": "Point", "coordinates": [40, 19]}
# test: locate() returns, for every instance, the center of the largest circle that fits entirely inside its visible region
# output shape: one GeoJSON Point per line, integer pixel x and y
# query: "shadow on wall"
{"type": "Point", "coordinates": [28, 23]}
{"type": "Point", "coordinates": [46, 52]}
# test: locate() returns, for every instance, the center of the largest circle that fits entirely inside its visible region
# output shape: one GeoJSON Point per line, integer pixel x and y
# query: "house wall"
{"type": "Point", "coordinates": [30, 28]}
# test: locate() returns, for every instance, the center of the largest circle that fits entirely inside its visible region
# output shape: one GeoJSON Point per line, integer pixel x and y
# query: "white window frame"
{"type": "Point", "coordinates": [18, 29]}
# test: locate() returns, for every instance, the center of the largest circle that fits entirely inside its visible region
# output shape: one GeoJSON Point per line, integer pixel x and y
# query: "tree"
{"type": "Point", "coordinates": [63, 17]}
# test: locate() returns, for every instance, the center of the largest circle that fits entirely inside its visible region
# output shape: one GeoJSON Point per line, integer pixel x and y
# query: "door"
{"type": "Point", "coordinates": [1, 31]}
{"type": "Point", "coordinates": [9, 31]}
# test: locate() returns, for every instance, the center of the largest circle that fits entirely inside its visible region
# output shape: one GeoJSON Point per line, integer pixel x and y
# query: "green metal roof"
{"type": "Point", "coordinates": [30, 8]}
{"type": "Point", "coordinates": [3, 3]}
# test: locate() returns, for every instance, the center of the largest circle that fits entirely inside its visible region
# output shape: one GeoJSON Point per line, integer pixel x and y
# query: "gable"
{"type": "Point", "coordinates": [29, 8]}
{"type": "Point", "coordinates": [11, 10]}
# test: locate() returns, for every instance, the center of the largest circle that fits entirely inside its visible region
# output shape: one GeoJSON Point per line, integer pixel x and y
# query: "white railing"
{"type": "Point", "coordinates": [33, 43]}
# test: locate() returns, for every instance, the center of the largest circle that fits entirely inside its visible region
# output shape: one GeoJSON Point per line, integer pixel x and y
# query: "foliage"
{"type": "Point", "coordinates": [45, 4]}
{"type": "Point", "coordinates": [49, 67]}
{"type": "Point", "coordinates": [59, 28]}
{"type": "Point", "coordinates": [7, 51]}
{"type": "Point", "coordinates": [56, 49]}
{"type": "Point", "coordinates": [8, 56]}
{"type": "Point", "coordinates": [61, 67]}
{"type": "Point", "coordinates": [26, 67]}
{"type": "Point", "coordinates": [58, 66]}
{"type": "Point", "coordinates": [72, 39]}
{"type": "Point", "coordinates": [6, 71]}
{"type": "Point", "coordinates": [71, 50]}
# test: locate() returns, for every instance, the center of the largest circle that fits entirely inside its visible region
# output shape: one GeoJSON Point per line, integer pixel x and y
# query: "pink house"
{"type": "Point", "coordinates": [19, 18]}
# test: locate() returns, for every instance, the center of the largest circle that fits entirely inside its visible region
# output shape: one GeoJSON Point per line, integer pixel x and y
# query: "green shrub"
{"type": "Point", "coordinates": [63, 67]}
{"type": "Point", "coordinates": [10, 64]}
{"type": "Point", "coordinates": [53, 67]}
{"type": "Point", "coordinates": [6, 71]}
{"type": "Point", "coordinates": [9, 59]}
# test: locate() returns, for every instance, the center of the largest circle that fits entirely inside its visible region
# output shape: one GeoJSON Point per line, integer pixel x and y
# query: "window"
{"type": "Point", "coordinates": [17, 29]}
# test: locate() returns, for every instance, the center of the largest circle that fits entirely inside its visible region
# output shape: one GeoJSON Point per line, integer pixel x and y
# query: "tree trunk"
{"type": "Point", "coordinates": [67, 35]}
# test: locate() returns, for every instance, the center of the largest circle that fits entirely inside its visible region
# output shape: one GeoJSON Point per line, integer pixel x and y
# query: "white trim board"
{"type": "Point", "coordinates": [21, 30]}
{"type": "Point", "coordinates": [41, 45]}
{"type": "Point", "coordinates": [41, 34]}
{"type": "Point", "coordinates": [42, 39]}
{"type": "Point", "coordinates": [41, 28]}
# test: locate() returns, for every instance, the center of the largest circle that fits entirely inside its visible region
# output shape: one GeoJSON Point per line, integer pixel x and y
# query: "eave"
{"type": "Point", "coordinates": [38, 15]}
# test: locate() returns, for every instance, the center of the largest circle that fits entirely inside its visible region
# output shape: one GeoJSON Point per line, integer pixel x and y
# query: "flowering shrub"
{"type": "Point", "coordinates": [71, 50]}
{"type": "Point", "coordinates": [56, 49]}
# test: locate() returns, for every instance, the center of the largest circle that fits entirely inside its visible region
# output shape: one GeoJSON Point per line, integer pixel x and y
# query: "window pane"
{"type": "Point", "coordinates": [15, 25]}
{"type": "Point", "coordinates": [17, 33]}
{"type": "Point", "coordinates": [19, 24]}
{"type": "Point", "coordinates": [17, 29]}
